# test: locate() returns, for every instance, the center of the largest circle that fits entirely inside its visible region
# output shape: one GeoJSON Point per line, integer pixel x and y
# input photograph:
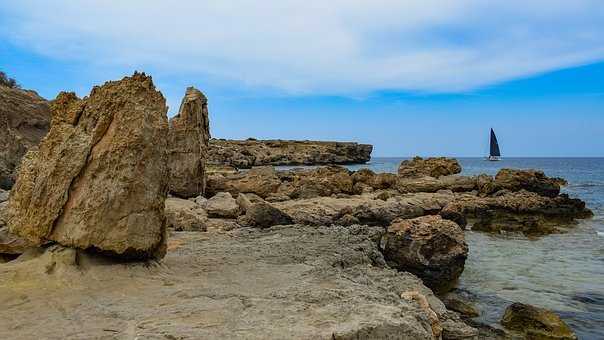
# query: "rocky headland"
{"type": "Point", "coordinates": [244, 154]}
{"type": "Point", "coordinates": [116, 228]}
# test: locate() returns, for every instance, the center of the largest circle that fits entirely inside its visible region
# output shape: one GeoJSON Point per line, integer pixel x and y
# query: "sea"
{"type": "Point", "coordinates": [563, 273]}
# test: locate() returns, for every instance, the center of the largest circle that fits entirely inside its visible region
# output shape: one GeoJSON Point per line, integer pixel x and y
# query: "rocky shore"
{"type": "Point", "coordinates": [244, 154]}
{"type": "Point", "coordinates": [116, 224]}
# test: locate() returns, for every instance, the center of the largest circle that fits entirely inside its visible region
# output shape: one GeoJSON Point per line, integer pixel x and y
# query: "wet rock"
{"type": "Point", "coordinates": [522, 211]}
{"type": "Point", "coordinates": [222, 205]}
{"type": "Point", "coordinates": [189, 135]}
{"type": "Point", "coordinates": [264, 215]}
{"type": "Point", "coordinates": [529, 180]}
{"type": "Point", "coordinates": [433, 167]}
{"type": "Point", "coordinates": [24, 120]}
{"type": "Point", "coordinates": [459, 303]}
{"type": "Point", "coordinates": [249, 153]}
{"type": "Point", "coordinates": [430, 247]}
{"type": "Point", "coordinates": [536, 323]}
{"type": "Point", "coordinates": [185, 215]}
{"type": "Point", "coordinates": [99, 177]}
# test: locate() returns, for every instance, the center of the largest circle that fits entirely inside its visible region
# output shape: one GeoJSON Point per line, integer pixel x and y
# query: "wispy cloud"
{"type": "Point", "coordinates": [319, 47]}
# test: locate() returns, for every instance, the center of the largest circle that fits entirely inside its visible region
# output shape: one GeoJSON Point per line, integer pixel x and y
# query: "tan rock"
{"type": "Point", "coordinates": [189, 135]}
{"type": "Point", "coordinates": [99, 178]}
{"type": "Point", "coordinates": [11, 244]}
{"type": "Point", "coordinates": [529, 180]}
{"type": "Point", "coordinates": [222, 205]}
{"type": "Point", "coordinates": [24, 120]}
{"type": "Point", "coordinates": [433, 167]}
{"type": "Point", "coordinates": [185, 215]}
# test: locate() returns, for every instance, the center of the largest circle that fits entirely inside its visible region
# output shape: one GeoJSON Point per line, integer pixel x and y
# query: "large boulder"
{"type": "Point", "coordinates": [24, 120]}
{"type": "Point", "coordinates": [529, 180]}
{"type": "Point", "coordinates": [99, 178]}
{"type": "Point", "coordinates": [222, 205]}
{"type": "Point", "coordinates": [536, 323]}
{"type": "Point", "coordinates": [262, 181]}
{"type": "Point", "coordinates": [264, 215]}
{"type": "Point", "coordinates": [189, 135]}
{"type": "Point", "coordinates": [185, 215]}
{"type": "Point", "coordinates": [430, 247]}
{"type": "Point", "coordinates": [433, 167]}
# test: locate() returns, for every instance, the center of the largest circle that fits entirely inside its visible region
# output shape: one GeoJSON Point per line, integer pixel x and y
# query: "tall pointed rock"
{"type": "Point", "coordinates": [189, 137]}
{"type": "Point", "coordinates": [98, 180]}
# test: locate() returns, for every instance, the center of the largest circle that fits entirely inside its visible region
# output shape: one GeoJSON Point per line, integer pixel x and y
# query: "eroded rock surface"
{"type": "Point", "coordinates": [430, 247]}
{"type": "Point", "coordinates": [245, 154]}
{"type": "Point", "coordinates": [24, 120]}
{"type": "Point", "coordinates": [529, 180]}
{"type": "Point", "coordinates": [290, 282]}
{"type": "Point", "coordinates": [189, 135]}
{"type": "Point", "coordinates": [99, 177]}
{"type": "Point", "coordinates": [433, 167]}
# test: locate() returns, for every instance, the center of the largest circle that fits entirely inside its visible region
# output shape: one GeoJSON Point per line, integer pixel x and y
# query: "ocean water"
{"type": "Point", "coordinates": [563, 273]}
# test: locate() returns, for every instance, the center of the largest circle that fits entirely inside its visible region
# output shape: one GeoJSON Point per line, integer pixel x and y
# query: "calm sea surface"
{"type": "Point", "coordinates": [564, 273]}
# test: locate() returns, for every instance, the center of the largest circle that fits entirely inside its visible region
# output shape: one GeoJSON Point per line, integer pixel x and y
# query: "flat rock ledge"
{"type": "Point", "coordinates": [291, 282]}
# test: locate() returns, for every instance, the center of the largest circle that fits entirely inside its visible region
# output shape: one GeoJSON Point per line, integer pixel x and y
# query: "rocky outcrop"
{"type": "Point", "coordinates": [529, 180]}
{"type": "Point", "coordinates": [290, 282]}
{"type": "Point", "coordinates": [430, 247]}
{"type": "Point", "coordinates": [99, 178]}
{"type": "Point", "coordinates": [433, 167]}
{"type": "Point", "coordinates": [536, 323]}
{"type": "Point", "coordinates": [521, 211]}
{"type": "Point", "coordinates": [245, 154]}
{"type": "Point", "coordinates": [24, 120]}
{"type": "Point", "coordinates": [189, 135]}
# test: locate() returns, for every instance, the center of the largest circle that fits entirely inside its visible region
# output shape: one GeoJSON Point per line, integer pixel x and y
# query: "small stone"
{"type": "Point", "coordinates": [222, 205]}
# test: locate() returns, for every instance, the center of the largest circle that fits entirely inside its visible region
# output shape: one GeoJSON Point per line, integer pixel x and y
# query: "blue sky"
{"type": "Point", "coordinates": [411, 77]}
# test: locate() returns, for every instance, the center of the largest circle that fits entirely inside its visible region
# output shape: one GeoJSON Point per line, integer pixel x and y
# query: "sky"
{"type": "Point", "coordinates": [410, 77]}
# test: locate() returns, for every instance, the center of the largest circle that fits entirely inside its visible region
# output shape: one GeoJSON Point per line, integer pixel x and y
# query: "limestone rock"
{"type": "Point", "coordinates": [185, 215]}
{"type": "Point", "coordinates": [24, 120]}
{"type": "Point", "coordinates": [189, 135]}
{"type": "Point", "coordinates": [99, 177]}
{"type": "Point", "coordinates": [459, 303]}
{"type": "Point", "coordinates": [429, 247]}
{"type": "Point", "coordinates": [249, 153]}
{"type": "Point", "coordinates": [261, 181]}
{"type": "Point", "coordinates": [522, 211]}
{"type": "Point", "coordinates": [454, 183]}
{"type": "Point", "coordinates": [529, 180]}
{"type": "Point", "coordinates": [264, 215]}
{"type": "Point", "coordinates": [4, 195]}
{"type": "Point", "coordinates": [11, 244]}
{"type": "Point", "coordinates": [222, 205]}
{"type": "Point", "coordinates": [433, 167]}
{"type": "Point", "coordinates": [536, 323]}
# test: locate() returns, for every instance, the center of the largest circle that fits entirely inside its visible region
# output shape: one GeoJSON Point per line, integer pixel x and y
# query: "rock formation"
{"type": "Point", "coordinates": [24, 120]}
{"type": "Point", "coordinates": [245, 154]}
{"type": "Point", "coordinates": [99, 178]}
{"type": "Point", "coordinates": [529, 180]}
{"type": "Point", "coordinates": [429, 247]}
{"type": "Point", "coordinates": [536, 323]}
{"type": "Point", "coordinates": [433, 167]}
{"type": "Point", "coordinates": [189, 136]}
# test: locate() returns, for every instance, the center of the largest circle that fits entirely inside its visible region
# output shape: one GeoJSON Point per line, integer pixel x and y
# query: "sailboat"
{"type": "Point", "coordinates": [494, 154]}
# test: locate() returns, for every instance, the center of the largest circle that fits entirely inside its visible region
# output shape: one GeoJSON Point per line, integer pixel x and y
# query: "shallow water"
{"type": "Point", "coordinates": [564, 273]}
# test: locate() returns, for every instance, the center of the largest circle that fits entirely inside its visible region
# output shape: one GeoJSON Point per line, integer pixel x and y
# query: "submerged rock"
{"type": "Point", "coordinates": [430, 247]}
{"type": "Point", "coordinates": [189, 135]}
{"type": "Point", "coordinates": [433, 167]}
{"type": "Point", "coordinates": [99, 177]}
{"type": "Point", "coordinates": [24, 120]}
{"type": "Point", "coordinates": [536, 323]}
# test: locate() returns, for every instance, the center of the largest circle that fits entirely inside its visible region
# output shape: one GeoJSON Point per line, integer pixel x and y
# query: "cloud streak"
{"type": "Point", "coordinates": [319, 47]}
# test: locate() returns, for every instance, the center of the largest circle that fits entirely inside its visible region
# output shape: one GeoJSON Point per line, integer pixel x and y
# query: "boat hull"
{"type": "Point", "coordinates": [493, 158]}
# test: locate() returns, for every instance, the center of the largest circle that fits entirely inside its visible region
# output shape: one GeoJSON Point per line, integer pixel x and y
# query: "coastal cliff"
{"type": "Point", "coordinates": [244, 154]}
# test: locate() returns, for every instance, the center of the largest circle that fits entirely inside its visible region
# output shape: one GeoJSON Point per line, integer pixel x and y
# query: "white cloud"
{"type": "Point", "coordinates": [320, 47]}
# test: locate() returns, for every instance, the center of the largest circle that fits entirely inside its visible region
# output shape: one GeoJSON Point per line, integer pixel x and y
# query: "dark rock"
{"type": "Point", "coordinates": [536, 323]}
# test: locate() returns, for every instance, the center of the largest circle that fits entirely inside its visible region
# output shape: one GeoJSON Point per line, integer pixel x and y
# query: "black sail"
{"type": "Point", "coordinates": [494, 145]}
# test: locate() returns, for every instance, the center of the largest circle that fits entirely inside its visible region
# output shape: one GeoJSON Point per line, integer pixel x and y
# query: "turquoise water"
{"type": "Point", "coordinates": [564, 273]}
